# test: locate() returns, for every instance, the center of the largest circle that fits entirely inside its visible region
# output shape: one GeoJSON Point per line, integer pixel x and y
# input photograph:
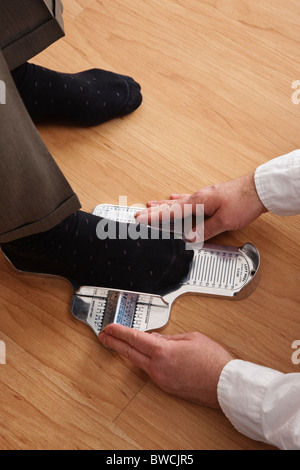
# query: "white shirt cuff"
{"type": "Point", "coordinates": [241, 390]}
{"type": "Point", "coordinates": [278, 184]}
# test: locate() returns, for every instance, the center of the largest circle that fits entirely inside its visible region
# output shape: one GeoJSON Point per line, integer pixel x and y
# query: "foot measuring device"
{"type": "Point", "coordinates": [218, 271]}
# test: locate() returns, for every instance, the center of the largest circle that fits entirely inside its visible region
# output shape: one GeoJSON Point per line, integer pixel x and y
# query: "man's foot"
{"type": "Point", "coordinates": [73, 250]}
{"type": "Point", "coordinates": [87, 98]}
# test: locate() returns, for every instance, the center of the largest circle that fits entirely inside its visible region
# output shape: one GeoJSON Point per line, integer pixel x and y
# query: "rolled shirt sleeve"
{"type": "Point", "coordinates": [262, 403]}
{"type": "Point", "coordinates": [278, 184]}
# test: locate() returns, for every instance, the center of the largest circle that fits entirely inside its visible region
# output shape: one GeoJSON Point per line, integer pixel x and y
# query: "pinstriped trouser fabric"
{"type": "Point", "coordinates": [34, 194]}
{"type": "Point", "coordinates": [27, 27]}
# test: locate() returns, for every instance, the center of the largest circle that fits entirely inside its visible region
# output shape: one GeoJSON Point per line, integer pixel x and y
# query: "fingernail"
{"type": "Point", "coordinates": [142, 218]}
{"type": "Point", "coordinates": [145, 211]}
{"type": "Point", "coordinates": [156, 334]}
{"type": "Point", "coordinates": [192, 236]}
{"type": "Point", "coordinates": [101, 338]}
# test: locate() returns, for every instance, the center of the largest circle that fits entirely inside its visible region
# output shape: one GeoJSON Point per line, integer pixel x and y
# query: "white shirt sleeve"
{"type": "Point", "coordinates": [262, 403]}
{"type": "Point", "coordinates": [278, 184]}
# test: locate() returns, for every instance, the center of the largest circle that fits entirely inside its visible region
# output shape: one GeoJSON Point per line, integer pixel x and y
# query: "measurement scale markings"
{"type": "Point", "coordinates": [228, 271]}
{"type": "Point", "coordinates": [219, 268]}
{"type": "Point", "coordinates": [209, 270]}
{"type": "Point", "coordinates": [212, 269]}
{"type": "Point", "coordinates": [225, 270]}
{"type": "Point", "coordinates": [221, 271]}
{"type": "Point", "coordinates": [223, 264]}
{"type": "Point", "coordinates": [206, 267]}
{"type": "Point", "coordinates": [203, 267]}
{"type": "Point", "coordinates": [199, 267]}
{"type": "Point", "coordinates": [138, 315]}
{"type": "Point", "coordinates": [232, 265]}
{"type": "Point", "coordinates": [216, 270]}
{"type": "Point", "coordinates": [193, 273]}
{"type": "Point", "coordinates": [193, 270]}
{"type": "Point", "coordinates": [234, 271]}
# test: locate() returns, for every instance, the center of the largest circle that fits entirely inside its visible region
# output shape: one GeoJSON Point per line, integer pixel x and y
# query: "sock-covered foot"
{"type": "Point", "coordinates": [87, 98]}
{"type": "Point", "coordinates": [73, 250]}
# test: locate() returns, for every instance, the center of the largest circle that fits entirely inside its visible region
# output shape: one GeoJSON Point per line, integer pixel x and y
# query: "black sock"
{"type": "Point", "coordinates": [73, 250]}
{"type": "Point", "coordinates": [87, 98]}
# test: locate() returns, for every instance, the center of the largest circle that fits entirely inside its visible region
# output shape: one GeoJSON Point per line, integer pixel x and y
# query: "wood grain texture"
{"type": "Point", "coordinates": [217, 83]}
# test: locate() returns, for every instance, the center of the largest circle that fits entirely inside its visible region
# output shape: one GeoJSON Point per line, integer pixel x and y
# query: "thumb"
{"type": "Point", "coordinates": [212, 227]}
{"type": "Point", "coordinates": [204, 231]}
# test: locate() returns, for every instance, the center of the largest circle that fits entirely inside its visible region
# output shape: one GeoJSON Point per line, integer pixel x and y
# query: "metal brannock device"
{"type": "Point", "coordinates": [219, 271]}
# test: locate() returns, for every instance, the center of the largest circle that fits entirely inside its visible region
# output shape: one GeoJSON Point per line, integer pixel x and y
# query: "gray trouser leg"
{"type": "Point", "coordinates": [34, 194]}
{"type": "Point", "coordinates": [27, 27]}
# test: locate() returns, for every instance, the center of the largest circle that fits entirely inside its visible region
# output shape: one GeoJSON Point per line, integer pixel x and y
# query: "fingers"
{"type": "Point", "coordinates": [162, 204]}
{"type": "Point", "coordinates": [179, 196]}
{"type": "Point", "coordinates": [137, 346]}
{"type": "Point", "coordinates": [154, 204]}
{"type": "Point", "coordinates": [180, 337]}
{"type": "Point", "coordinates": [173, 197]}
{"type": "Point", "coordinates": [212, 228]}
{"type": "Point", "coordinates": [181, 207]}
{"type": "Point", "coordinates": [208, 229]}
{"type": "Point", "coordinates": [165, 211]}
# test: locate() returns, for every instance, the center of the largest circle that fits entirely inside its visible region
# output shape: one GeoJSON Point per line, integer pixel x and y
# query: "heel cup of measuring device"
{"type": "Point", "coordinates": [12, 264]}
{"type": "Point", "coordinates": [15, 267]}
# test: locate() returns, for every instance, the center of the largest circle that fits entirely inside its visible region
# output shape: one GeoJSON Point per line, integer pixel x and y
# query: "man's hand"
{"type": "Point", "coordinates": [188, 366]}
{"type": "Point", "coordinates": [227, 206]}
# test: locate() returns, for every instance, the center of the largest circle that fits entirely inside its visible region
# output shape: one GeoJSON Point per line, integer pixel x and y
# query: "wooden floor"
{"type": "Point", "coordinates": [217, 83]}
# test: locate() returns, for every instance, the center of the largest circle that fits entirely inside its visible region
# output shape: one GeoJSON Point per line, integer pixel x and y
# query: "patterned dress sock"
{"type": "Point", "coordinates": [87, 98]}
{"type": "Point", "coordinates": [73, 250]}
